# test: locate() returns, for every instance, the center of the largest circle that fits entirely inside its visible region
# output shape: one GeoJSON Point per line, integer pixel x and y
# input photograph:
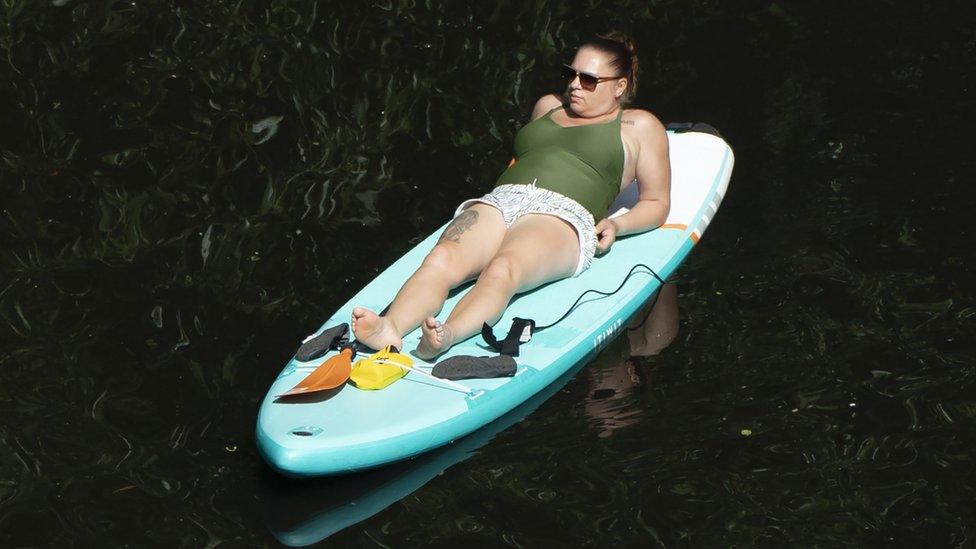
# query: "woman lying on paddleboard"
{"type": "Point", "coordinates": [538, 224]}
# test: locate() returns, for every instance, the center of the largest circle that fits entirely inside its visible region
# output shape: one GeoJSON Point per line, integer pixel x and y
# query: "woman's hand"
{"type": "Point", "coordinates": [606, 235]}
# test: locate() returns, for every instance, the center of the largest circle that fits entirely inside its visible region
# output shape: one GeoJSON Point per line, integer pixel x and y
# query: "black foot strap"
{"type": "Point", "coordinates": [475, 367]}
{"type": "Point", "coordinates": [331, 338]}
{"type": "Point", "coordinates": [519, 333]}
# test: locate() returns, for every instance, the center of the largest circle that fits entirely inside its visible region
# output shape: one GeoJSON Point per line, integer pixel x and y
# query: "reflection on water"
{"type": "Point", "coordinates": [614, 378]}
{"type": "Point", "coordinates": [656, 325]}
{"type": "Point", "coordinates": [190, 188]}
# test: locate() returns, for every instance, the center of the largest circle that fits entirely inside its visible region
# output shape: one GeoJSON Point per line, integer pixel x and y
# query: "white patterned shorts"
{"type": "Point", "coordinates": [514, 201]}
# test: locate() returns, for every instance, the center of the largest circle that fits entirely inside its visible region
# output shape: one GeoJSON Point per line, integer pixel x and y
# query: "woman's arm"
{"type": "Point", "coordinates": [653, 180]}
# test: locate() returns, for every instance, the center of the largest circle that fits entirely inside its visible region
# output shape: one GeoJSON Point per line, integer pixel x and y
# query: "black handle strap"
{"type": "Point", "coordinates": [519, 333]}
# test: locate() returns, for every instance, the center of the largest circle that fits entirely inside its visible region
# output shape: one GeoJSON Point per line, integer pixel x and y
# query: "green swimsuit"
{"type": "Point", "coordinates": [584, 163]}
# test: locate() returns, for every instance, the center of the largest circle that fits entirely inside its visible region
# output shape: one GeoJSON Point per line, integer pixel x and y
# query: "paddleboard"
{"type": "Point", "coordinates": [348, 429]}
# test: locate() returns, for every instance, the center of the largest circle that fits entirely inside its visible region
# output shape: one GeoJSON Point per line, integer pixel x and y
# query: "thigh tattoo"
{"type": "Point", "coordinates": [461, 223]}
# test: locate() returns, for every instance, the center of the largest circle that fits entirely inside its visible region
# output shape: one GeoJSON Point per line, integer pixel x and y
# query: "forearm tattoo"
{"type": "Point", "coordinates": [461, 223]}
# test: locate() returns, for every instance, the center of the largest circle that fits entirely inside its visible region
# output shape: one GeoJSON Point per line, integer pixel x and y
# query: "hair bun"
{"type": "Point", "coordinates": [624, 51]}
{"type": "Point", "coordinates": [618, 36]}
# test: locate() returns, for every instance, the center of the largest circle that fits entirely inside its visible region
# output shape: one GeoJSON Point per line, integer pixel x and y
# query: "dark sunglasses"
{"type": "Point", "coordinates": [587, 81]}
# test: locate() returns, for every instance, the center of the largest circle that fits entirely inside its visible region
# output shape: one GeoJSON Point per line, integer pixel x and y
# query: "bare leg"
{"type": "Point", "coordinates": [464, 249]}
{"type": "Point", "coordinates": [517, 267]}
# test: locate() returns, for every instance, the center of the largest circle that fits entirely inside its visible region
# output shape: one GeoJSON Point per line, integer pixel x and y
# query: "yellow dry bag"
{"type": "Point", "coordinates": [381, 369]}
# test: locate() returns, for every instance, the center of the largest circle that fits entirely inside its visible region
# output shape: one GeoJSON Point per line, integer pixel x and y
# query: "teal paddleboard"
{"type": "Point", "coordinates": [349, 429]}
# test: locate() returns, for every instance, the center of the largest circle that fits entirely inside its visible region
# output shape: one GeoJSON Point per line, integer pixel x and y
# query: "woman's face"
{"type": "Point", "coordinates": [606, 96]}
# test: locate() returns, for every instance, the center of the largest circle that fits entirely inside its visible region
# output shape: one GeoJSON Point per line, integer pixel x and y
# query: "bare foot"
{"type": "Point", "coordinates": [436, 339]}
{"type": "Point", "coordinates": [374, 330]}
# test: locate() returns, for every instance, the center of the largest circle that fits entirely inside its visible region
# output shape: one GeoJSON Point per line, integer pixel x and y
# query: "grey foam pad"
{"type": "Point", "coordinates": [475, 367]}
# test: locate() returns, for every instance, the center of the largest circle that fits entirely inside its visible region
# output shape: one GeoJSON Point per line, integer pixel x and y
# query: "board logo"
{"type": "Point", "coordinates": [605, 337]}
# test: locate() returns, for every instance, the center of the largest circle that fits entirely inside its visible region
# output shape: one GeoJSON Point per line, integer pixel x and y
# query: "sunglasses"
{"type": "Point", "coordinates": [587, 81]}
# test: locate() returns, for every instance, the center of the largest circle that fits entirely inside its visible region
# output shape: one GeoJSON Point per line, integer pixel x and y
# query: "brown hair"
{"type": "Point", "coordinates": [623, 57]}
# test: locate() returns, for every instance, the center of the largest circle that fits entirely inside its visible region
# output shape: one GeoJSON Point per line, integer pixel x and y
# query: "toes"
{"type": "Point", "coordinates": [432, 330]}
{"type": "Point", "coordinates": [362, 313]}
{"type": "Point", "coordinates": [432, 342]}
{"type": "Point", "coordinates": [365, 323]}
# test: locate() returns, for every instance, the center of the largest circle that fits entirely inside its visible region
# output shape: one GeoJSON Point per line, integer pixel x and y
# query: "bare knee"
{"type": "Point", "coordinates": [444, 262]}
{"type": "Point", "coordinates": [501, 270]}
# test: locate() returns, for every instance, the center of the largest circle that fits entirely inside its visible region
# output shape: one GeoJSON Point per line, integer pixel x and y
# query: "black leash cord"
{"type": "Point", "coordinates": [582, 295]}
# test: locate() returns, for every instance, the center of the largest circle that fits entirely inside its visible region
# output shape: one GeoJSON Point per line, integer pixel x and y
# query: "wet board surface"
{"type": "Point", "coordinates": [349, 429]}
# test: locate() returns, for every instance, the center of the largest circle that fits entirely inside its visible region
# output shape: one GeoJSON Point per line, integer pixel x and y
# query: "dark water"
{"type": "Point", "coordinates": [188, 188]}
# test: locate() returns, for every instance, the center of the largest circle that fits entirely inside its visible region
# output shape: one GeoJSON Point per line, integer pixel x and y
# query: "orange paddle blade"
{"type": "Point", "coordinates": [329, 375]}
